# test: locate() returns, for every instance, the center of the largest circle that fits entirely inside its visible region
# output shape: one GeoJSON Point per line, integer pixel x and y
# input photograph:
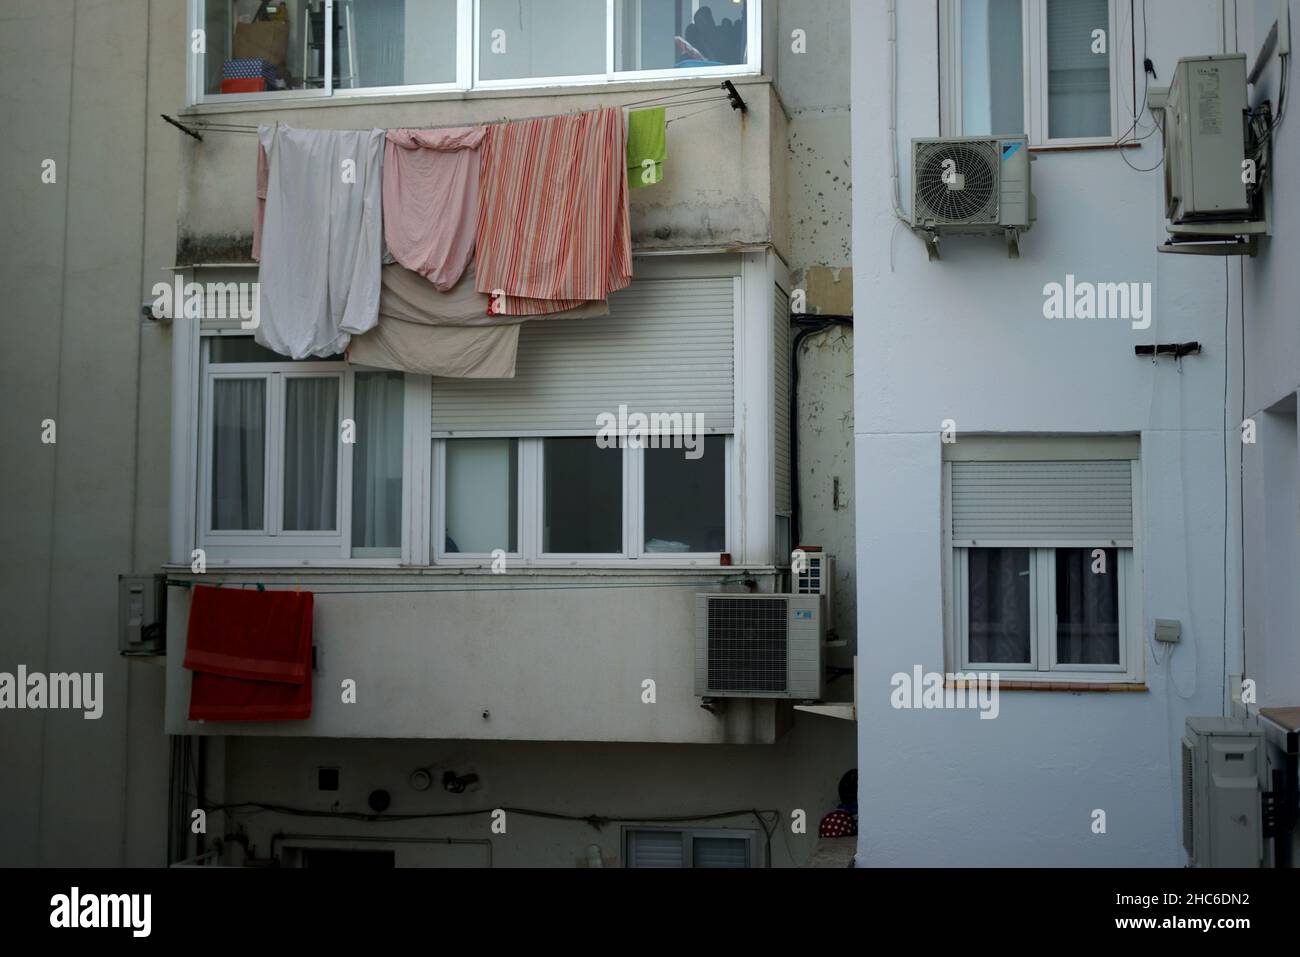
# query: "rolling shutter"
{"type": "Point", "coordinates": [667, 347]}
{"type": "Point", "coordinates": [655, 849]}
{"type": "Point", "coordinates": [1028, 504]}
{"type": "Point", "coordinates": [781, 345]}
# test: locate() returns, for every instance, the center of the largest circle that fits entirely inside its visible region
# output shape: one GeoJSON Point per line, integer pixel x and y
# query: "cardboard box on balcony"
{"type": "Point", "coordinates": [262, 40]}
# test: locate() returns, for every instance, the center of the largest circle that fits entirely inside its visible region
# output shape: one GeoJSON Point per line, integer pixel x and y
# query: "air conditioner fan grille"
{"type": "Point", "coordinates": [957, 182]}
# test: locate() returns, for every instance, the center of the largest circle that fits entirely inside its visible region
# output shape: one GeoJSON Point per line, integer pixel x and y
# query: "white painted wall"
{"type": "Point", "coordinates": [82, 84]}
{"type": "Point", "coordinates": [801, 772]}
{"type": "Point", "coordinates": [550, 657]}
{"type": "Point", "coordinates": [1271, 349]}
{"type": "Point", "coordinates": [966, 340]}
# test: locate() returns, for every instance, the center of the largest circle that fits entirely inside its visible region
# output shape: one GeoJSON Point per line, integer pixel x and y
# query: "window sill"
{"type": "Point", "coordinates": [271, 105]}
{"type": "Point", "coordinates": [1085, 147]}
{"type": "Point", "coordinates": [1070, 687]}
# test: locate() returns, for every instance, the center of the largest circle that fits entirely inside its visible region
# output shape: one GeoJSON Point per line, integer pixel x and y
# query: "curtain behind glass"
{"type": "Point", "coordinates": [311, 436]}
{"type": "Point", "coordinates": [999, 605]}
{"type": "Point", "coordinates": [238, 454]}
{"type": "Point", "coordinates": [1078, 80]}
{"type": "Point", "coordinates": [1087, 608]}
{"type": "Point", "coordinates": [377, 462]}
{"type": "Point", "coordinates": [993, 68]}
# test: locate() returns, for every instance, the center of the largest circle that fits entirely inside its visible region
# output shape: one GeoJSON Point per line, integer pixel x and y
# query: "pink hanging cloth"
{"type": "Point", "coordinates": [553, 223]}
{"type": "Point", "coordinates": [431, 198]}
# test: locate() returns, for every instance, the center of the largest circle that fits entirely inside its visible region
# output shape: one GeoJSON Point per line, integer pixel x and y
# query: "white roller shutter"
{"type": "Point", "coordinates": [1028, 504]}
{"type": "Point", "coordinates": [667, 346]}
{"type": "Point", "coordinates": [655, 849]}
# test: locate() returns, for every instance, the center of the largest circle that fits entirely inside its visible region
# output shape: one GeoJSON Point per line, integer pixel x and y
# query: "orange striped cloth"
{"type": "Point", "coordinates": [553, 229]}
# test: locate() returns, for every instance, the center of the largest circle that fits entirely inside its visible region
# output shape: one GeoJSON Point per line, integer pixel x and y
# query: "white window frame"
{"type": "Point", "coordinates": [272, 545]}
{"type": "Point", "coordinates": [467, 64]}
{"type": "Point", "coordinates": [531, 514]}
{"type": "Point", "coordinates": [1043, 663]}
{"type": "Point", "coordinates": [689, 836]}
{"type": "Point", "coordinates": [1035, 71]}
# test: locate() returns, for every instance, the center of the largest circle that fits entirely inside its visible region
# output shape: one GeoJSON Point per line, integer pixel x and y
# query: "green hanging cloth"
{"type": "Point", "coordinates": [647, 144]}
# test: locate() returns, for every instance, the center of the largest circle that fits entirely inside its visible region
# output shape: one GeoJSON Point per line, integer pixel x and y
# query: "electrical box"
{"type": "Point", "coordinates": [142, 614]}
{"type": "Point", "coordinates": [1205, 141]}
{"type": "Point", "coordinates": [1224, 776]}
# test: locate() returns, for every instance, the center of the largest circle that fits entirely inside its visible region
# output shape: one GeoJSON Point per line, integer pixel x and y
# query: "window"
{"type": "Point", "coordinates": [482, 497]}
{"type": "Point", "coordinates": [654, 847]}
{"type": "Point", "coordinates": [1043, 571]}
{"type": "Point", "coordinates": [1048, 69]}
{"type": "Point", "coordinates": [567, 500]}
{"type": "Point", "coordinates": [262, 49]}
{"type": "Point", "coordinates": [300, 459]}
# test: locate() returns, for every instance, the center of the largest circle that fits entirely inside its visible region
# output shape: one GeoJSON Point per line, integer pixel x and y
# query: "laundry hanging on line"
{"type": "Point", "coordinates": [553, 222]}
{"type": "Point", "coordinates": [321, 239]}
{"type": "Point", "coordinates": [647, 146]}
{"type": "Point", "coordinates": [431, 195]}
{"type": "Point", "coordinates": [448, 335]}
{"type": "Point", "coordinates": [250, 654]}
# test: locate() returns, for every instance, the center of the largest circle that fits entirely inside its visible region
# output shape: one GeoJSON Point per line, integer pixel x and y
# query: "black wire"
{"type": "Point", "coordinates": [766, 818]}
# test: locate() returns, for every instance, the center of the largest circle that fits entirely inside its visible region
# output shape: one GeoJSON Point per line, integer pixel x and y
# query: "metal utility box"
{"type": "Point", "coordinates": [142, 614]}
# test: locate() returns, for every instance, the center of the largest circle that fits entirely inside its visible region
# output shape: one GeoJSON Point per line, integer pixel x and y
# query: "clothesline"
{"type": "Point", "coordinates": [733, 98]}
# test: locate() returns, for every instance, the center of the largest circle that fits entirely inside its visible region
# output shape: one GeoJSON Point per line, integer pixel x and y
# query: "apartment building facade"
{"type": "Point", "coordinates": [1034, 495]}
{"type": "Point", "coordinates": [513, 625]}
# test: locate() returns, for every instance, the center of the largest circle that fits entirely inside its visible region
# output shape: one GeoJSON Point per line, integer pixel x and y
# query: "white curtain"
{"type": "Point", "coordinates": [1087, 607]}
{"type": "Point", "coordinates": [377, 462]}
{"type": "Point", "coordinates": [999, 627]}
{"type": "Point", "coordinates": [992, 57]}
{"type": "Point", "coordinates": [311, 436]}
{"type": "Point", "coordinates": [1078, 80]}
{"type": "Point", "coordinates": [238, 454]}
{"type": "Point", "coordinates": [482, 479]}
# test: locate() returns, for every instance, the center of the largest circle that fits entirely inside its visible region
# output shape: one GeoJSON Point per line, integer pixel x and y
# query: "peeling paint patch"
{"type": "Point", "coordinates": [830, 290]}
{"type": "Point", "coordinates": [194, 250]}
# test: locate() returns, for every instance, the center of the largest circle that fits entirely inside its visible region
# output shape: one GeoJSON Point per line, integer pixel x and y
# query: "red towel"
{"type": "Point", "coordinates": [250, 652]}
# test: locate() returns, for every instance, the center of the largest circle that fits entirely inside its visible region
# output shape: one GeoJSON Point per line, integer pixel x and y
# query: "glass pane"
{"type": "Point", "coordinates": [395, 42]}
{"type": "Point", "coordinates": [311, 458]}
{"type": "Point", "coordinates": [679, 34]}
{"type": "Point", "coordinates": [239, 350]}
{"type": "Point", "coordinates": [520, 39]}
{"type": "Point", "coordinates": [377, 464]}
{"type": "Point", "coordinates": [1078, 78]}
{"type": "Point", "coordinates": [482, 502]}
{"type": "Point", "coordinates": [256, 47]}
{"type": "Point", "coordinates": [992, 67]}
{"type": "Point", "coordinates": [1087, 606]}
{"type": "Point", "coordinates": [998, 605]}
{"type": "Point", "coordinates": [686, 499]}
{"type": "Point", "coordinates": [238, 454]}
{"type": "Point", "coordinates": [720, 852]}
{"type": "Point", "coordinates": [583, 490]}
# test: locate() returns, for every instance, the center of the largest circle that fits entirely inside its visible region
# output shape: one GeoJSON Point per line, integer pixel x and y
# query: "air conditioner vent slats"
{"type": "Point", "coordinates": [754, 645]}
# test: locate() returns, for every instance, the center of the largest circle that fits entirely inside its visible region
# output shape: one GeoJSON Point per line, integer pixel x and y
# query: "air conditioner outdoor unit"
{"type": "Point", "coordinates": [1224, 775]}
{"type": "Point", "coordinates": [815, 575]}
{"type": "Point", "coordinates": [1205, 140]}
{"type": "Point", "coordinates": [1216, 162]}
{"type": "Point", "coordinates": [972, 186]}
{"type": "Point", "coordinates": [759, 646]}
